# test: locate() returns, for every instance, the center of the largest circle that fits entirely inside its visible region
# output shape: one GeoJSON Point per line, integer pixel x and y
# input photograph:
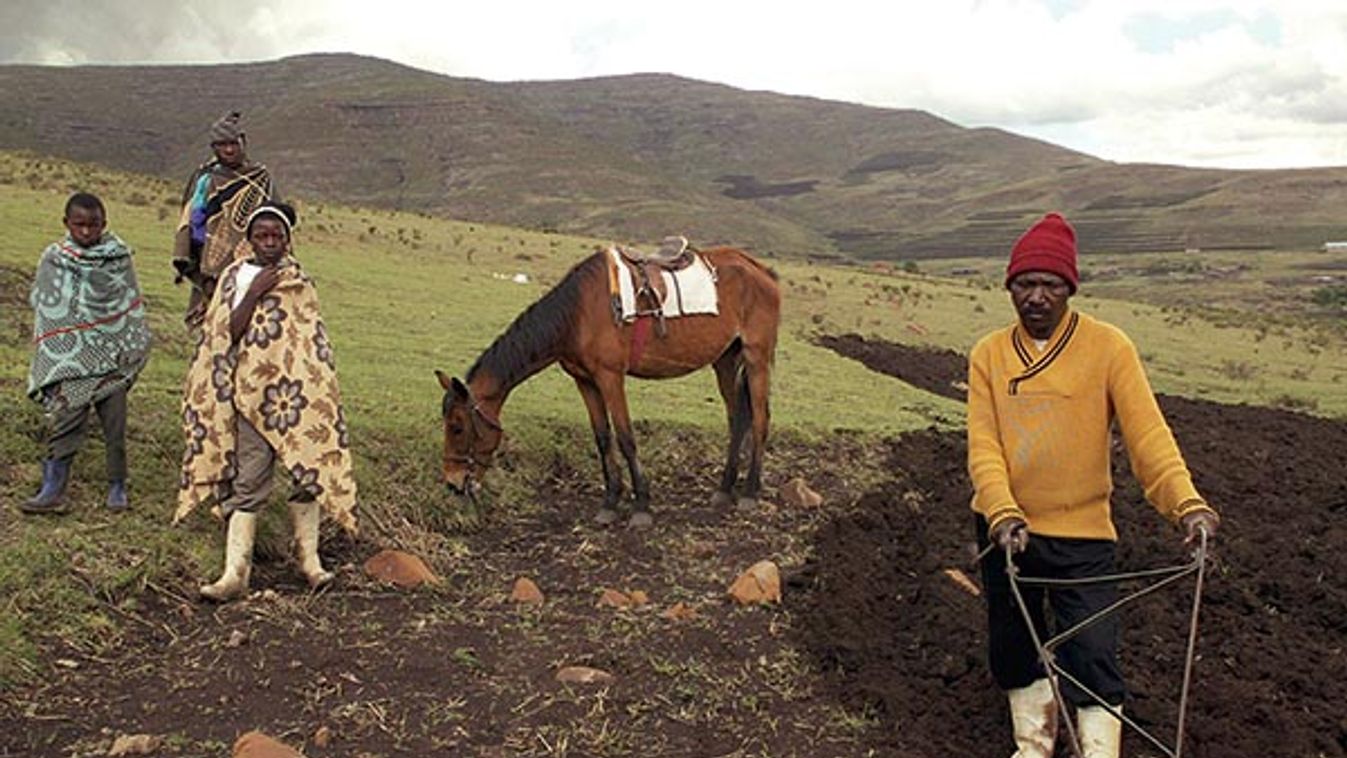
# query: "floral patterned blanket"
{"type": "Point", "coordinates": [281, 378]}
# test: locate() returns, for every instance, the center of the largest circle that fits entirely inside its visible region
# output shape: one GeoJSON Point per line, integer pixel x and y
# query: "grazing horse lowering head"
{"type": "Point", "coordinates": [471, 435]}
{"type": "Point", "coordinates": [583, 325]}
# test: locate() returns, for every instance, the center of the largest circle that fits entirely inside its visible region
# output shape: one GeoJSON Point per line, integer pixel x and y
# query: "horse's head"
{"type": "Point", "coordinates": [471, 435]}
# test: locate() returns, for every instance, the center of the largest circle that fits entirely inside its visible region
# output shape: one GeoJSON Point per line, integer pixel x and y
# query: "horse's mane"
{"type": "Point", "coordinates": [531, 341]}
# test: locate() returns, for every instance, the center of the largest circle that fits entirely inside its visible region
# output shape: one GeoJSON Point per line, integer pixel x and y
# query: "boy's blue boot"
{"type": "Point", "coordinates": [117, 499]}
{"type": "Point", "coordinates": [55, 476]}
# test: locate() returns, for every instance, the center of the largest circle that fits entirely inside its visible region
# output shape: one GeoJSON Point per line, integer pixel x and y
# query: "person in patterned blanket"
{"type": "Point", "coordinates": [90, 343]}
{"type": "Point", "coordinates": [261, 389]}
{"type": "Point", "coordinates": [216, 203]}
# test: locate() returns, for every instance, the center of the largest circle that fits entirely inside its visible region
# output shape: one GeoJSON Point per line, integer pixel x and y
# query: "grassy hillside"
{"type": "Point", "coordinates": [637, 157]}
{"type": "Point", "coordinates": [404, 294]}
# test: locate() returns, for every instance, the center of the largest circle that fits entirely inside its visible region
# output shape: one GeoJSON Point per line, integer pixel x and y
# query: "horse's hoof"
{"type": "Point", "coordinates": [722, 500]}
{"type": "Point", "coordinates": [747, 504]}
{"type": "Point", "coordinates": [606, 517]}
{"type": "Point", "coordinates": [641, 520]}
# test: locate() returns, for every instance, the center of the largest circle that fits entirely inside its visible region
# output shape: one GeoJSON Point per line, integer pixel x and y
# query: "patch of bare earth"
{"type": "Point", "coordinates": [462, 670]}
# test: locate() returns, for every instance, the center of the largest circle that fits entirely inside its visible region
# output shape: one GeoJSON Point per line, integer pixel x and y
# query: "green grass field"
{"type": "Point", "coordinates": [405, 294]}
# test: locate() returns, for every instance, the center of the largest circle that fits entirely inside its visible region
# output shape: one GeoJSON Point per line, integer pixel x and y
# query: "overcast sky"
{"type": "Point", "coordinates": [1233, 84]}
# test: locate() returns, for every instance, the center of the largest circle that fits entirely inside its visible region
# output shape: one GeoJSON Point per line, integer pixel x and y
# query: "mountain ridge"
{"type": "Point", "coordinates": [638, 156]}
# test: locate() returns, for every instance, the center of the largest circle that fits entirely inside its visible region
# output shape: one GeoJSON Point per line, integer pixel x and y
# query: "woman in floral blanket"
{"type": "Point", "coordinates": [262, 388]}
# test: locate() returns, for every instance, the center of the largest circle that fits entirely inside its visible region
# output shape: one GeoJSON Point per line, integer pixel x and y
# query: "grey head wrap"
{"type": "Point", "coordinates": [226, 129]}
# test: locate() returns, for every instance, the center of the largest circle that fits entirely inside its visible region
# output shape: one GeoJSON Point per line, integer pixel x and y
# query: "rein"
{"type": "Point", "coordinates": [1045, 648]}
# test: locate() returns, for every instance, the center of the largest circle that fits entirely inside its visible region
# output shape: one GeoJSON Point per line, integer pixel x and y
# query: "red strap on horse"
{"type": "Point", "coordinates": [640, 334]}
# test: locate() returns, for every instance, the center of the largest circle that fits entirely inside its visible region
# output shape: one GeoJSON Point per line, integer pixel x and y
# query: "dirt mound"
{"type": "Point", "coordinates": [899, 636]}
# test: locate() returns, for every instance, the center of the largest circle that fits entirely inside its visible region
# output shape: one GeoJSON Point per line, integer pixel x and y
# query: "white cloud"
{"type": "Point", "coordinates": [1199, 82]}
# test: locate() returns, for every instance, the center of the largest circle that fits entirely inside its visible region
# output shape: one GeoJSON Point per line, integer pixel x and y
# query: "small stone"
{"type": "Point", "coordinates": [584, 675]}
{"type": "Point", "coordinates": [67, 663]}
{"type": "Point", "coordinates": [322, 737]}
{"type": "Point", "coordinates": [400, 569]}
{"type": "Point", "coordinates": [526, 592]}
{"type": "Point", "coordinates": [797, 494]}
{"type": "Point", "coordinates": [680, 611]}
{"type": "Point", "coordinates": [761, 583]}
{"type": "Point", "coordinates": [236, 638]}
{"type": "Point", "coordinates": [614, 599]}
{"type": "Point", "coordinates": [258, 745]}
{"type": "Point", "coordinates": [135, 744]}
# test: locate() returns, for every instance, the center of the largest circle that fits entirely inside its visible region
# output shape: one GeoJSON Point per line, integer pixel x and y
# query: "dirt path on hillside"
{"type": "Point", "coordinates": [873, 649]}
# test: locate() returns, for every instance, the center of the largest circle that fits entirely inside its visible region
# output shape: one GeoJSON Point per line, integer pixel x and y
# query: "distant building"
{"type": "Point", "coordinates": [1335, 247]}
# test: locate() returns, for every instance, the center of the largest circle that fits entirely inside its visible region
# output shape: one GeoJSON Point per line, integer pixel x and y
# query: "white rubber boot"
{"type": "Point", "coordinates": [233, 583]}
{"type": "Point", "coordinates": [1033, 712]}
{"type": "Point", "coordinates": [305, 517]}
{"type": "Point", "coordinates": [1100, 732]}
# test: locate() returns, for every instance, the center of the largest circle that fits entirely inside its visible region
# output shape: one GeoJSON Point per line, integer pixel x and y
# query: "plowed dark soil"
{"type": "Point", "coordinates": [1272, 673]}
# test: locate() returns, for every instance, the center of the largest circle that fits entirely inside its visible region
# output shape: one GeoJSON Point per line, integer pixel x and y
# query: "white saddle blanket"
{"type": "Point", "coordinates": [687, 292]}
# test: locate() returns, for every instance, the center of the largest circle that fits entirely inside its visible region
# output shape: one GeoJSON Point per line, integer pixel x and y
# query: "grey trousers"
{"type": "Point", "coordinates": [255, 460]}
{"type": "Point", "coordinates": [69, 428]}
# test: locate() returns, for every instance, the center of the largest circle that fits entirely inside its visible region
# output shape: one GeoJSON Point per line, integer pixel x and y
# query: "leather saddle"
{"type": "Point", "coordinates": [674, 254]}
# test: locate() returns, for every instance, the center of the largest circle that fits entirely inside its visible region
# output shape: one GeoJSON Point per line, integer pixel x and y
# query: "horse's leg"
{"type": "Point", "coordinates": [758, 368]}
{"type": "Point", "coordinates": [734, 392]}
{"type": "Point", "coordinates": [603, 438]}
{"type": "Point", "coordinates": [615, 398]}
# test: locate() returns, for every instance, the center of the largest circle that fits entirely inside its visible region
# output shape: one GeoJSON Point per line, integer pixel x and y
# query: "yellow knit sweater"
{"type": "Point", "coordinates": [1038, 430]}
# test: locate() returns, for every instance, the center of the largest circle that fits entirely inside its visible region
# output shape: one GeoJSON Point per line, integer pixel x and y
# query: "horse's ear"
{"type": "Point", "coordinates": [444, 379]}
{"type": "Point", "coordinates": [460, 389]}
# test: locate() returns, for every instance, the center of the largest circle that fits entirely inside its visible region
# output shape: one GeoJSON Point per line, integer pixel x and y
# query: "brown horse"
{"type": "Point", "coordinates": [573, 324]}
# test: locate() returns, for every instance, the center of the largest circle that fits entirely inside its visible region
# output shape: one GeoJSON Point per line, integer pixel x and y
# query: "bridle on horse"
{"type": "Point", "coordinates": [471, 459]}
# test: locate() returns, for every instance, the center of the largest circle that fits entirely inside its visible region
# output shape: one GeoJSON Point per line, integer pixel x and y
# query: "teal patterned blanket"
{"type": "Point", "coordinates": [89, 330]}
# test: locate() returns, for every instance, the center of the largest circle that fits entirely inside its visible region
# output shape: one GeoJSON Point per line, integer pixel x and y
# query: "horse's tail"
{"type": "Point", "coordinates": [739, 404]}
{"type": "Point", "coordinates": [743, 400]}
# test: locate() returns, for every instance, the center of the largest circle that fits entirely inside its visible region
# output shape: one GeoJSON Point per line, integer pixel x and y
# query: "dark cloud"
{"type": "Point", "coordinates": [144, 31]}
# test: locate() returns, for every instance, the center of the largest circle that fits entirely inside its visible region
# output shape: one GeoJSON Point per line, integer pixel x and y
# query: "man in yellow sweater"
{"type": "Point", "coordinates": [1042, 396]}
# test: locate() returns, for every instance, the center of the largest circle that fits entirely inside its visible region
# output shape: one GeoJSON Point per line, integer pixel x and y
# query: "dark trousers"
{"type": "Point", "coordinates": [1090, 655]}
{"type": "Point", "coordinates": [68, 430]}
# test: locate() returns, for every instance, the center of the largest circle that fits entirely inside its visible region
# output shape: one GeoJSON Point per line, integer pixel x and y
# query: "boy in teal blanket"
{"type": "Point", "coordinates": [90, 342]}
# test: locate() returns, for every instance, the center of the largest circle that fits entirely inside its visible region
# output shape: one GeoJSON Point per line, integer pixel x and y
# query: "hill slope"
{"type": "Point", "coordinates": [640, 156]}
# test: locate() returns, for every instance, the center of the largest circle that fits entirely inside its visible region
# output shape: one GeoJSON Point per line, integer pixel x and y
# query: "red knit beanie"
{"type": "Point", "coordinates": [1049, 245]}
